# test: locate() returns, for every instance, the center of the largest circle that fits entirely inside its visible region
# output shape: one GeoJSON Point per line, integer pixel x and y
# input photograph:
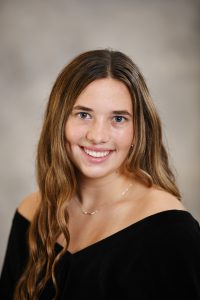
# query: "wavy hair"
{"type": "Point", "coordinates": [56, 175]}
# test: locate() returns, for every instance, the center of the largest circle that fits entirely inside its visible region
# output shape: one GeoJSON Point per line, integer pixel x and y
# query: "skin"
{"type": "Point", "coordinates": [96, 128]}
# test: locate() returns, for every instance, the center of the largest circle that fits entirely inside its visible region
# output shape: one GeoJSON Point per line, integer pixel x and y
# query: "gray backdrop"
{"type": "Point", "coordinates": [37, 38]}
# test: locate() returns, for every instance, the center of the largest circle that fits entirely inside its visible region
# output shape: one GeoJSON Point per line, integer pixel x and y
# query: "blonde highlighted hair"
{"type": "Point", "coordinates": [56, 175]}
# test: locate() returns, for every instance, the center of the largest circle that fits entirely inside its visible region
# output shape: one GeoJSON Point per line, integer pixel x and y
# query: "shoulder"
{"type": "Point", "coordinates": [169, 222]}
{"type": "Point", "coordinates": [173, 222]}
{"type": "Point", "coordinates": [29, 205]}
{"type": "Point", "coordinates": [157, 200]}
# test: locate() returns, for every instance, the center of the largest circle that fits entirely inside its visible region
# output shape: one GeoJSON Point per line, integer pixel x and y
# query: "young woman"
{"type": "Point", "coordinates": [107, 219]}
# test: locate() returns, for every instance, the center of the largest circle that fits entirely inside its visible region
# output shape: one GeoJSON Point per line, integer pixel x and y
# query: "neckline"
{"type": "Point", "coordinates": [132, 226]}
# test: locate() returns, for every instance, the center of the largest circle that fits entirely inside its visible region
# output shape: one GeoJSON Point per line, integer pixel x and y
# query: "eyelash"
{"type": "Point", "coordinates": [115, 117]}
{"type": "Point", "coordinates": [124, 119]}
{"type": "Point", "coordinates": [82, 113]}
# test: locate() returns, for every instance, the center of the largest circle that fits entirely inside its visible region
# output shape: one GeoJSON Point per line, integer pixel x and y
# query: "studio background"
{"type": "Point", "coordinates": [37, 38]}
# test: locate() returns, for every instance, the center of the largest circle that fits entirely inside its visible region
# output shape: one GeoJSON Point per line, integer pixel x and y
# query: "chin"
{"type": "Point", "coordinates": [95, 174]}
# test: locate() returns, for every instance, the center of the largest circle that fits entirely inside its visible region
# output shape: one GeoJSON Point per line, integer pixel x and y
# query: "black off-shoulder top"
{"type": "Point", "coordinates": [157, 257]}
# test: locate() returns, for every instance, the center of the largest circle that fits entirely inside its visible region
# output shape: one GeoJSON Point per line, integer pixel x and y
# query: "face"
{"type": "Point", "coordinates": [99, 131]}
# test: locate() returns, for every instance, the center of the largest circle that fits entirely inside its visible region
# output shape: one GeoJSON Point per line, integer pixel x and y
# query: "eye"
{"type": "Point", "coordinates": [83, 115]}
{"type": "Point", "coordinates": [120, 119]}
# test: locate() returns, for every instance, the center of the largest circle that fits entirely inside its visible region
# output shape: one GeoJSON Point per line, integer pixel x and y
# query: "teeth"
{"type": "Point", "coordinates": [96, 154]}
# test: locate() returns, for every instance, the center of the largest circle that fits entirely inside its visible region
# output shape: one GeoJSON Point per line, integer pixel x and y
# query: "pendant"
{"type": "Point", "coordinates": [89, 213]}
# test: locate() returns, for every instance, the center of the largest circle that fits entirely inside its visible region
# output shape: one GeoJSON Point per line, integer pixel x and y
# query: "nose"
{"type": "Point", "coordinates": [98, 132]}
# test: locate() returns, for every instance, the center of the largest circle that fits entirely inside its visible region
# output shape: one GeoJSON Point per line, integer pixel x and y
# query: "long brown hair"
{"type": "Point", "coordinates": [56, 176]}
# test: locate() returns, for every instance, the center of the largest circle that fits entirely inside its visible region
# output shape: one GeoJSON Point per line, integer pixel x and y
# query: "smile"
{"type": "Point", "coordinates": [96, 153]}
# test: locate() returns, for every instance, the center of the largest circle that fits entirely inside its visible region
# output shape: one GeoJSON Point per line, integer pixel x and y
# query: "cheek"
{"type": "Point", "coordinates": [73, 134]}
{"type": "Point", "coordinates": [70, 136]}
{"type": "Point", "coordinates": [124, 138]}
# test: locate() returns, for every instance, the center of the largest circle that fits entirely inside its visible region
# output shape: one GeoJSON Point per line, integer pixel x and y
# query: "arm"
{"type": "Point", "coordinates": [17, 247]}
{"type": "Point", "coordinates": [173, 260]}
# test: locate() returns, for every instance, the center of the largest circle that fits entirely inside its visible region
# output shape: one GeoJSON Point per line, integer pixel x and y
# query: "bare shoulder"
{"type": "Point", "coordinates": [28, 206]}
{"type": "Point", "coordinates": [157, 200]}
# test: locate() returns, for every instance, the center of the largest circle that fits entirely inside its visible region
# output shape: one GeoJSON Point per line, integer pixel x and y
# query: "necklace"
{"type": "Point", "coordinates": [91, 213]}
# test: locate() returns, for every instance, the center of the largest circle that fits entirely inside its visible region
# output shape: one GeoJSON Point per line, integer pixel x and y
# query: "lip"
{"type": "Point", "coordinates": [96, 149]}
{"type": "Point", "coordinates": [96, 160]}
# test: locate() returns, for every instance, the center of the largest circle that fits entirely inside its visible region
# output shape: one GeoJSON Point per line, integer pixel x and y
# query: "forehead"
{"type": "Point", "coordinates": [108, 93]}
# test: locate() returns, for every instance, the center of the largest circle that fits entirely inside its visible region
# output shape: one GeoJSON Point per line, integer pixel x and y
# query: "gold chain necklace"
{"type": "Point", "coordinates": [91, 213]}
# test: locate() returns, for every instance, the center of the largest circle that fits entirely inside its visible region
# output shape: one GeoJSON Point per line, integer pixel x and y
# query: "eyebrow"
{"type": "Point", "coordinates": [115, 112]}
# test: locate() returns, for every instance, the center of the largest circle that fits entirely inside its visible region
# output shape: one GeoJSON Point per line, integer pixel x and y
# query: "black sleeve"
{"type": "Point", "coordinates": [173, 261]}
{"type": "Point", "coordinates": [15, 257]}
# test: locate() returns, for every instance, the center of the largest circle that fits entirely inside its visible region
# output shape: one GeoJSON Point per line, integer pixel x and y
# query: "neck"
{"type": "Point", "coordinates": [95, 191]}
